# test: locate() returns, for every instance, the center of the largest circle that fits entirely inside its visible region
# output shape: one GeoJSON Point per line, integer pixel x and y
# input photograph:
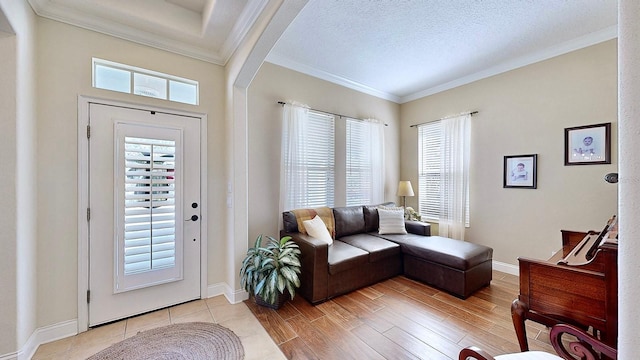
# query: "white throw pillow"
{"type": "Point", "coordinates": [317, 229]}
{"type": "Point", "coordinates": [391, 221]}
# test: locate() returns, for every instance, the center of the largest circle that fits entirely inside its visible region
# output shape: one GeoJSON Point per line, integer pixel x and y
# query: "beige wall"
{"type": "Point", "coordinates": [18, 199]}
{"type": "Point", "coordinates": [8, 236]}
{"type": "Point", "coordinates": [274, 83]}
{"type": "Point", "coordinates": [525, 111]}
{"type": "Point", "coordinates": [64, 72]}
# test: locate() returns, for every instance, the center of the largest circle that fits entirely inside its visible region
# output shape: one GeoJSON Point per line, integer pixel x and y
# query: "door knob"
{"type": "Point", "coordinates": [193, 218]}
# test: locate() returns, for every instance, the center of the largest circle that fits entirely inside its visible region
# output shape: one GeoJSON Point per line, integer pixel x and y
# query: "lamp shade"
{"type": "Point", "coordinates": [405, 189]}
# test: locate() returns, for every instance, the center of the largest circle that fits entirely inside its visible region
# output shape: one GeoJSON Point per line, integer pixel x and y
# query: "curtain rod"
{"type": "Point", "coordinates": [330, 113]}
{"type": "Point", "coordinates": [446, 117]}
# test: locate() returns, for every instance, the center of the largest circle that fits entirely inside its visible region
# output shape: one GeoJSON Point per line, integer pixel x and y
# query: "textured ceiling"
{"type": "Point", "coordinates": [394, 49]}
{"type": "Point", "coordinates": [404, 49]}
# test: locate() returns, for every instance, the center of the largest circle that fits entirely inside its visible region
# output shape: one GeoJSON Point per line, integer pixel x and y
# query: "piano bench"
{"type": "Point", "coordinates": [458, 267]}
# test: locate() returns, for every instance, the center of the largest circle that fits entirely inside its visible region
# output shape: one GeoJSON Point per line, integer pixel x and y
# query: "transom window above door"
{"type": "Point", "coordinates": [109, 75]}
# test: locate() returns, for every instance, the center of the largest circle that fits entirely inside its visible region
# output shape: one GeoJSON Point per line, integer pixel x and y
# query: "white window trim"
{"type": "Point", "coordinates": [422, 193]}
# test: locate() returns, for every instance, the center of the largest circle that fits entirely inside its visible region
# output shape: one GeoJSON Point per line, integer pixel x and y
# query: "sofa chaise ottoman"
{"type": "Point", "coordinates": [455, 266]}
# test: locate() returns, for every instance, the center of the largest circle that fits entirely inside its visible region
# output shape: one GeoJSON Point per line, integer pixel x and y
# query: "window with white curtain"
{"type": "Point", "coordinates": [364, 162]}
{"type": "Point", "coordinates": [430, 173]}
{"type": "Point", "coordinates": [358, 164]}
{"type": "Point", "coordinates": [320, 162]}
{"type": "Point", "coordinates": [429, 154]}
{"type": "Point", "coordinates": [307, 177]}
{"type": "Point", "coordinates": [317, 155]}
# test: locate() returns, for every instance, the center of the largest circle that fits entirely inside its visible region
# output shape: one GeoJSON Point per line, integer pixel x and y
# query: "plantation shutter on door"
{"type": "Point", "coordinates": [148, 252]}
{"type": "Point", "coordinates": [149, 205]}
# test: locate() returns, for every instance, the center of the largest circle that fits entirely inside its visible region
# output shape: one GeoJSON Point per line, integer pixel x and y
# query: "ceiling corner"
{"type": "Point", "coordinates": [241, 28]}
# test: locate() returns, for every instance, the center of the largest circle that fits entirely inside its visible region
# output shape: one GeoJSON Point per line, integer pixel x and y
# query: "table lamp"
{"type": "Point", "coordinates": [404, 190]}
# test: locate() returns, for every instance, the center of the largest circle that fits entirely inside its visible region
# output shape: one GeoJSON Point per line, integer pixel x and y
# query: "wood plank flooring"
{"type": "Point", "coordinates": [400, 319]}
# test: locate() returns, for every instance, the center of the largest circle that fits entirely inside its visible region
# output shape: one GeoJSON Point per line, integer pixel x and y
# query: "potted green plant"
{"type": "Point", "coordinates": [270, 269]}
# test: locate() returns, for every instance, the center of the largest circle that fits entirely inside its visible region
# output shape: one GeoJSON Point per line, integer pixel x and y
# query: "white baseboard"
{"type": "Point", "coordinates": [233, 296]}
{"type": "Point", "coordinates": [9, 356]}
{"type": "Point", "coordinates": [42, 336]}
{"type": "Point", "coordinates": [237, 296]}
{"type": "Point", "coordinates": [506, 268]}
{"type": "Point", "coordinates": [216, 289]}
{"type": "Point", "coordinates": [70, 328]}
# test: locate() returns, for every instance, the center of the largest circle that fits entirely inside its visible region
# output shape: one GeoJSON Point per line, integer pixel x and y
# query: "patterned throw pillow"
{"type": "Point", "coordinates": [391, 221]}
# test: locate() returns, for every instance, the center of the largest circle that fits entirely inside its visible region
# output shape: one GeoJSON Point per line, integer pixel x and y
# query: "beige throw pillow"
{"type": "Point", "coordinates": [325, 213]}
{"type": "Point", "coordinates": [391, 221]}
{"type": "Point", "coordinates": [317, 229]}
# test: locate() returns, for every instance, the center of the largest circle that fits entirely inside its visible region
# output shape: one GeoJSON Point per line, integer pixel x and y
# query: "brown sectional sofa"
{"type": "Point", "coordinates": [360, 256]}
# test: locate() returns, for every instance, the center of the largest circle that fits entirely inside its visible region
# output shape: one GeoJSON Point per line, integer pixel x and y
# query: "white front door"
{"type": "Point", "coordinates": [144, 201]}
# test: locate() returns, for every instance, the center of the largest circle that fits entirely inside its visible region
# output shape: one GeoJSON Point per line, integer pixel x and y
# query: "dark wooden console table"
{"type": "Point", "coordinates": [585, 296]}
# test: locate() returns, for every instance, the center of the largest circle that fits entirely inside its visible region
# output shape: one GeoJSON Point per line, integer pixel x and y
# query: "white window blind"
{"type": "Point", "coordinates": [360, 175]}
{"type": "Point", "coordinates": [321, 163]}
{"type": "Point", "coordinates": [429, 154]}
{"type": "Point", "coordinates": [149, 223]}
{"type": "Point", "coordinates": [313, 162]}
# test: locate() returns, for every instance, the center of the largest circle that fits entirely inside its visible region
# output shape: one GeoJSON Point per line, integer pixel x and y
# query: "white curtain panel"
{"type": "Point", "coordinates": [377, 160]}
{"type": "Point", "coordinates": [454, 172]}
{"type": "Point", "coordinates": [293, 184]}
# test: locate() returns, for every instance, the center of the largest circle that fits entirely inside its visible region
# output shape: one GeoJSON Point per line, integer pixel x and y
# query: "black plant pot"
{"type": "Point", "coordinates": [280, 300]}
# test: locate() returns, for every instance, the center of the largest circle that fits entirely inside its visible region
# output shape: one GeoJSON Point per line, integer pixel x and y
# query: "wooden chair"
{"type": "Point", "coordinates": [586, 347]}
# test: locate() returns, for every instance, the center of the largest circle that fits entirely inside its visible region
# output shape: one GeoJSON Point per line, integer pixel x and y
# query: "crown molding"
{"type": "Point", "coordinates": [5, 26]}
{"type": "Point", "coordinates": [241, 28]}
{"type": "Point", "coordinates": [51, 10]}
{"type": "Point", "coordinates": [323, 75]}
{"type": "Point", "coordinates": [548, 53]}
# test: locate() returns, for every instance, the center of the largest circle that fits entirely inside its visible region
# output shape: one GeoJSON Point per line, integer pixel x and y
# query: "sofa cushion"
{"type": "Point", "coordinates": [343, 256]}
{"type": "Point", "coordinates": [371, 219]}
{"type": "Point", "coordinates": [377, 248]}
{"type": "Point", "coordinates": [317, 229]}
{"type": "Point", "coordinates": [349, 220]}
{"type": "Point", "coordinates": [289, 222]}
{"type": "Point", "coordinates": [391, 221]}
{"type": "Point", "coordinates": [454, 253]}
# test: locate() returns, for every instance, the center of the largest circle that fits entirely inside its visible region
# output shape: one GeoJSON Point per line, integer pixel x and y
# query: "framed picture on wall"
{"type": "Point", "coordinates": [587, 145]}
{"type": "Point", "coordinates": [520, 171]}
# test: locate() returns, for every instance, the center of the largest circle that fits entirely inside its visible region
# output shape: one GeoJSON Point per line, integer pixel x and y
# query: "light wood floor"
{"type": "Point", "coordinates": [400, 319]}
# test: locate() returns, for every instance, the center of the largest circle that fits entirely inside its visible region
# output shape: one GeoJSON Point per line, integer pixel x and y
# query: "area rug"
{"type": "Point", "coordinates": [193, 341]}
